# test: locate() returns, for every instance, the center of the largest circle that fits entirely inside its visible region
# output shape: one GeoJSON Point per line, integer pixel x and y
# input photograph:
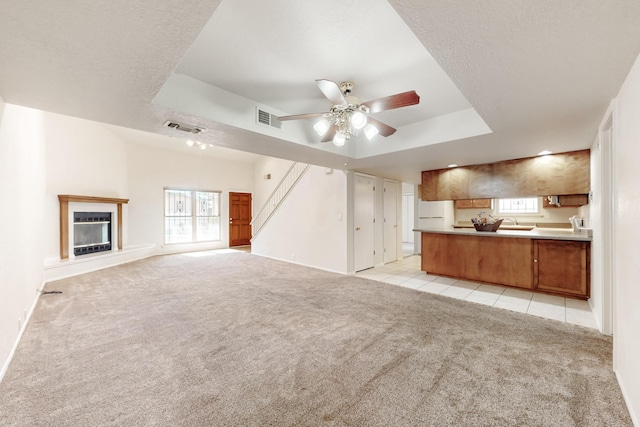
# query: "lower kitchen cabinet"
{"type": "Point", "coordinates": [561, 266]}
{"type": "Point", "coordinates": [550, 266]}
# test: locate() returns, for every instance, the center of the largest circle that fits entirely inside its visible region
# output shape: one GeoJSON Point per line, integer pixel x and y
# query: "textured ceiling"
{"type": "Point", "coordinates": [540, 74]}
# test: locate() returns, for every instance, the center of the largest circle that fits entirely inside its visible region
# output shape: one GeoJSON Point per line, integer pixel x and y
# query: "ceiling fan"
{"type": "Point", "coordinates": [348, 115]}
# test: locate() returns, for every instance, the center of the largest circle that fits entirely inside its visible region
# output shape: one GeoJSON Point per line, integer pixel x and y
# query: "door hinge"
{"type": "Point", "coordinates": [374, 188]}
{"type": "Point", "coordinates": [374, 220]}
{"type": "Point", "coordinates": [374, 252]}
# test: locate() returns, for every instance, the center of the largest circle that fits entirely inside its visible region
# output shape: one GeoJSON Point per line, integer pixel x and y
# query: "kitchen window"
{"type": "Point", "coordinates": [526, 205]}
{"type": "Point", "coordinates": [191, 216]}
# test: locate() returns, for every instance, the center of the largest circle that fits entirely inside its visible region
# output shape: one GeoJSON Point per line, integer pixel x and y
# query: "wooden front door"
{"type": "Point", "coordinates": [239, 219]}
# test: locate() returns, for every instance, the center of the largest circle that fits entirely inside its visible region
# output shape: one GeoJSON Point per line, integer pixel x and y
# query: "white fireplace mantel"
{"type": "Point", "coordinates": [65, 199]}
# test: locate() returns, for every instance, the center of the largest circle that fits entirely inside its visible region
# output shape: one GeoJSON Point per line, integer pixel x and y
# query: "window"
{"type": "Point", "coordinates": [191, 216]}
{"type": "Point", "coordinates": [518, 206]}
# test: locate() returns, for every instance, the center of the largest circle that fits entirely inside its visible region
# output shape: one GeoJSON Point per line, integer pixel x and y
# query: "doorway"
{"type": "Point", "coordinates": [239, 219]}
{"type": "Point", "coordinates": [364, 222]}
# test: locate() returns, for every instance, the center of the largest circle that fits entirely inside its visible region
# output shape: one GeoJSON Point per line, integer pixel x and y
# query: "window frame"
{"type": "Point", "coordinates": [194, 214]}
{"type": "Point", "coordinates": [499, 210]}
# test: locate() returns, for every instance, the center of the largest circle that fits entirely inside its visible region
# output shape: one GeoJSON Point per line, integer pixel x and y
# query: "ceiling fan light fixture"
{"type": "Point", "coordinates": [321, 127]}
{"type": "Point", "coordinates": [358, 120]}
{"type": "Point", "coordinates": [370, 131]}
{"type": "Point", "coordinates": [339, 139]}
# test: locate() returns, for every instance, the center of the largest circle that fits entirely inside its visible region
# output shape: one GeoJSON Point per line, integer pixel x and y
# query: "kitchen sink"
{"type": "Point", "coordinates": [517, 227]}
{"type": "Point", "coordinates": [502, 227]}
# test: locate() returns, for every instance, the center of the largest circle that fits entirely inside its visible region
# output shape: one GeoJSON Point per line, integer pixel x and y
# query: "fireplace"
{"type": "Point", "coordinates": [91, 232]}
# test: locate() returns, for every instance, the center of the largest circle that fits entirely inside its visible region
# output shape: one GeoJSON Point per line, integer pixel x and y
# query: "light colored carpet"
{"type": "Point", "coordinates": [239, 340]}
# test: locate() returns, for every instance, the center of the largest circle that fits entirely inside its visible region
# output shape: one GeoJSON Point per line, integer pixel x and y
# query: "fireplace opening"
{"type": "Point", "coordinates": [91, 232]}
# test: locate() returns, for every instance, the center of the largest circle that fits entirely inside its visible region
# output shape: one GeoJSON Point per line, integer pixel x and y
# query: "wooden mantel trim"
{"type": "Point", "coordinates": [91, 199]}
{"type": "Point", "coordinates": [64, 200]}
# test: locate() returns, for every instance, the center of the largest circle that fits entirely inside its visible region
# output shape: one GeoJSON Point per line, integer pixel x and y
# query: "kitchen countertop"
{"type": "Point", "coordinates": [536, 233]}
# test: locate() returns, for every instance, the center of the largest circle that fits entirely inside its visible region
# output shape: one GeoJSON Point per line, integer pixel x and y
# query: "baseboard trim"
{"type": "Point", "coordinates": [7, 362]}
{"type": "Point", "coordinates": [300, 263]}
{"type": "Point", "coordinates": [625, 396]}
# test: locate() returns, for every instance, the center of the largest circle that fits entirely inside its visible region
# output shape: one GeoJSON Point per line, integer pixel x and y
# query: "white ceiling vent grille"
{"type": "Point", "coordinates": [268, 119]}
{"type": "Point", "coordinates": [184, 127]}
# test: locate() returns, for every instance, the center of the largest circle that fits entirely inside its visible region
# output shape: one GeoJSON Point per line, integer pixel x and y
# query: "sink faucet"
{"type": "Point", "coordinates": [513, 220]}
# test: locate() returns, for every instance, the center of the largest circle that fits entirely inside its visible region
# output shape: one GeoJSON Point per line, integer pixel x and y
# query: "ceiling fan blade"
{"type": "Point", "coordinates": [398, 100]}
{"type": "Point", "coordinates": [300, 116]}
{"type": "Point", "coordinates": [331, 91]}
{"type": "Point", "coordinates": [383, 129]}
{"type": "Point", "coordinates": [330, 134]}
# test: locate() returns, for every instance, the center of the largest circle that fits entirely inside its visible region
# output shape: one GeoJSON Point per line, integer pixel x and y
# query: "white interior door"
{"type": "Point", "coordinates": [363, 222]}
{"type": "Point", "coordinates": [390, 207]}
{"type": "Point", "coordinates": [407, 218]}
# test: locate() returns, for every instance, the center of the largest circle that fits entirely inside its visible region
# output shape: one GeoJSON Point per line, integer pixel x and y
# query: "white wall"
{"type": "Point", "coordinates": [310, 227]}
{"type": "Point", "coordinates": [85, 158]}
{"type": "Point", "coordinates": [149, 171]}
{"type": "Point", "coordinates": [22, 189]}
{"type": "Point", "coordinates": [82, 158]}
{"type": "Point", "coordinates": [262, 186]}
{"type": "Point", "coordinates": [626, 344]}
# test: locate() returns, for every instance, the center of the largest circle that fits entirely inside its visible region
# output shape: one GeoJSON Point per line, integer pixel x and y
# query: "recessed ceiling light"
{"type": "Point", "coordinates": [452, 165]}
{"type": "Point", "coordinates": [544, 152]}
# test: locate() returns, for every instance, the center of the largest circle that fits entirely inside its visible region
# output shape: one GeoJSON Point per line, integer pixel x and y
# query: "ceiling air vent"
{"type": "Point", "coordinates": [268, 119]}
{"type": "Point", "coordinates": [184, 127]}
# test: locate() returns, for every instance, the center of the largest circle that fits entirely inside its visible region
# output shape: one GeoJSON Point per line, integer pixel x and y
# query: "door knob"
{"type": "Point", "coordinates": [357, 228]}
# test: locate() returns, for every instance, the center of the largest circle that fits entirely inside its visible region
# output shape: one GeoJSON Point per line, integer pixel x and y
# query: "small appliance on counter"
{"type": "Point", "coordinates": [576, 223]}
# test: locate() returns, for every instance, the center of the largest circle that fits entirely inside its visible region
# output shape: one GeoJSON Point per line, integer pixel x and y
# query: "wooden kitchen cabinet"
{"type": "Point", "coordinates": [505, 261]}
{"type": "Point", "coordinates": [567, 201]}
{"type": "Point", "coordinates": [551, 266]}
{"type": "Point", "coordinates": [561, 266]}
{"type": "Point", "coordinates": [474, 204]}
{"type": "Point", "coordinates": [557, 174]}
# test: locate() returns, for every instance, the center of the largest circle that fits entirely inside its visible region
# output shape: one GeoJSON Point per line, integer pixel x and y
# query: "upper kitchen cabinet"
{"type": "Point", "coordinates": [513, 178]}
{"type": "Point", "coordinates": [557, 174]}
{"type": "Point", "coordinates": [561, 174]}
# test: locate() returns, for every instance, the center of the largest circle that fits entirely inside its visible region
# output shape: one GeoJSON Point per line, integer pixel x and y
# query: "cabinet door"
{"type": "Point", "coordinates": [572, 200]}
{"type": "Point", "coordinates": [464, 204]}
{"type": "Point", "coordinates": [562, 266]}
{"type": "Point", "coordinates": [474, 204]}
{"type": "Point", "coordinates": [482, 203]}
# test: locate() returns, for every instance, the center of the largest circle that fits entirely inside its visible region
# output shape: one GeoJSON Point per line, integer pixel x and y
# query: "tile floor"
{"type": "Point", "coordinates": [407, 273]}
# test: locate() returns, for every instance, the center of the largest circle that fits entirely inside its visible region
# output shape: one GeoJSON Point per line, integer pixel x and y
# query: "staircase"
{"type": "Point", "coordinates": [289, 181]}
